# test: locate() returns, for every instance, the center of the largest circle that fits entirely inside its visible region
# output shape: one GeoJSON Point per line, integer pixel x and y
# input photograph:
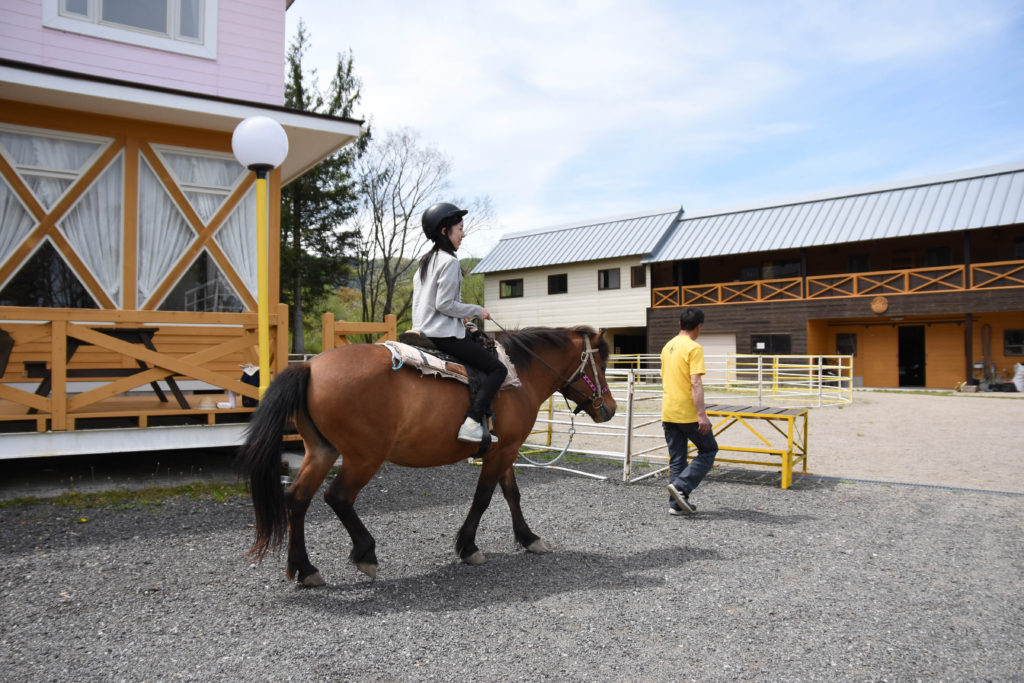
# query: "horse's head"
{"type": "Point", "coordinates": [587, 387]}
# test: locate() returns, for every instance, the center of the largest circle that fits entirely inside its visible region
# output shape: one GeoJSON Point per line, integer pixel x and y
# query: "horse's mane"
{"type": "Point", "coordinates": [519, 343]}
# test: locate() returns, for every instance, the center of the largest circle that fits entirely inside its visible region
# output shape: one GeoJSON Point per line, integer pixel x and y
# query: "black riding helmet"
{"type": "Point", "coordinates": [439, 216]}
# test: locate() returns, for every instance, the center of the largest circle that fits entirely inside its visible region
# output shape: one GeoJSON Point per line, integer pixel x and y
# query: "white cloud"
{"type": "Point", "coordinates": [569, 110]}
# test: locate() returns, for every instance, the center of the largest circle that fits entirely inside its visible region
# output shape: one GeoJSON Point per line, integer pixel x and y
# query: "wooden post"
{"type": "Point", "coordinates": [327, 332]}
{"type": "Point", "coordinates": [391, 320]}
{"type": "Point", "coordinates": [281, 341]}
{"type": "Point", "coordinates": [58, 375]}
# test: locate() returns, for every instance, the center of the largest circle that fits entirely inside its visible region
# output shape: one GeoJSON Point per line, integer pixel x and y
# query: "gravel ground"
{"type": "Point", "coordinates": [828, 580]}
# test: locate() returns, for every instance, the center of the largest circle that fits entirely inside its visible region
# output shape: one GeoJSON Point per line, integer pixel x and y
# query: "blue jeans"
{"type": "Point", "coordinates": [686, 477]}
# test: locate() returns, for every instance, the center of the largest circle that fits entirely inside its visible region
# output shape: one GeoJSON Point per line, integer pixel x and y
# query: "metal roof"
{"type": "Point", "coordinates": [969, 200]}
{"type": "Point", "coordinates": [630, 235]}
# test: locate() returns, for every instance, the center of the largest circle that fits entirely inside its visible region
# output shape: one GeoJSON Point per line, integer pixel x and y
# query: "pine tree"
{"type": "Point", "coordinates": [315, 206]}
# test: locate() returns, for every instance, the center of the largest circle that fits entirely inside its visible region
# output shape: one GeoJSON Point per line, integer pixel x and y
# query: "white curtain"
{"type": "Point", "coordinates": [190, 20]}
{"type": "Point", "coordinates": [95, 227]}
{"type": "Point", "coordinates": [15, 221]}
{"type": "Point", "coordinates": [206, 181]}
{"type": "Point", "coordinates": [164, 234]}
{"type": "Point", "coordinates": [237, 238]}
{"type": "Point", "coordinates": [47, 165]}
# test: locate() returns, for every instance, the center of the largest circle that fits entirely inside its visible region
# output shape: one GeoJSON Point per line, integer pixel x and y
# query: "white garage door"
{"type": "Point", "coordinates": [721, 344]}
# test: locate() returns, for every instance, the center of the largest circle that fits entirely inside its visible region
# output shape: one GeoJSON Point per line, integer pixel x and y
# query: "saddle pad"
{"type": "Point", "coordinates": [429, 364]}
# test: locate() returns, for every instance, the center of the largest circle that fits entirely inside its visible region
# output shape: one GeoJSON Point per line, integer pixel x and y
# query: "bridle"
{"type": "Point", "coordinates": [596, 398]}
{"type": "Point", "coordinates": [597, 393]}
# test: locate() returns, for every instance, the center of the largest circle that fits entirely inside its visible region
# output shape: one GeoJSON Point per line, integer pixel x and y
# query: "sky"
{"type": "Point", "coordinates": [571, 111]}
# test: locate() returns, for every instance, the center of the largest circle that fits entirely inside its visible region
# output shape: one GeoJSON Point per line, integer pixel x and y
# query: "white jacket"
{"type": "Point", "coordinates": [437, 308]}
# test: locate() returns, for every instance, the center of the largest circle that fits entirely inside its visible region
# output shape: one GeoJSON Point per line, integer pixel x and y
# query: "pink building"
{"type": "Point", "coordinates": [122, 208]}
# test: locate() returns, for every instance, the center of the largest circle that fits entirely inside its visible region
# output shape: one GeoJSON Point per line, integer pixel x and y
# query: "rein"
{"type": "Point", "coordinates": [597, 393]}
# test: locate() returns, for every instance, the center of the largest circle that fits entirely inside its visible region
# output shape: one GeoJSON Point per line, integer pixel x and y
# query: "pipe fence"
{"type": "Point", "coordinates": [635, 436]}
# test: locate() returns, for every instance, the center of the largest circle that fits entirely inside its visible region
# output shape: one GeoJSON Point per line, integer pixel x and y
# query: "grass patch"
{"type": "Point", "coordinates": [128, 499]}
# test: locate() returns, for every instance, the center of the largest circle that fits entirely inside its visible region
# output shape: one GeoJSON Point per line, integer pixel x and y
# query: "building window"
{"type": "Point", "coordinates": [748, 273]}
{"type": "Point", "coordinates": [775, 270]}
{"type": "Point", "coordinates": [558, 284]}
{"type": "Point", "coordinates": [937, 256]}
{"type": "Point", "coordinates": [770, 344]}
{"type": "Point", "coordinates": [846, 344]}
{"type": "Point", "coordinates": [638, 276]}
{"type": "Point", "coordinates": [903, 258]}
{"type": "Point", "coordinates": [184, 26]}
{"type": "Point", "coordinates": [858, 263]}
{"type": "Point", "coordinates": [1018, 249]}
{"type": "Point", "coordinates": [1013, 342]}
{"type": "Point", "coordinates": [608, 279]}
{"type": "Point", "coordinates": [510, 289]}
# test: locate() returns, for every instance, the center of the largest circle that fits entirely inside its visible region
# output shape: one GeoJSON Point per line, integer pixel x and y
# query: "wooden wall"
{"type": "Point", "coordinates": [583, 304]}
{"type": "Point", "coordinates": [249, 63]}
{"type": "Point", "coordinates": [813, 325]}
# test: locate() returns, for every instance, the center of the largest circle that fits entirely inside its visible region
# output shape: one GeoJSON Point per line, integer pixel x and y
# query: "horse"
{"type": "Point", "coordinates": [350, 401]}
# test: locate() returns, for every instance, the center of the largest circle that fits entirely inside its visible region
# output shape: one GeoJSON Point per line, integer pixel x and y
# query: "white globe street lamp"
{"type": "Point", "coordinates": [261, 145]}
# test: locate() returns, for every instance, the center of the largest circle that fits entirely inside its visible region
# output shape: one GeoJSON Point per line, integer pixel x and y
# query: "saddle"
{"type": "Point", "coordinates": [417, 351]}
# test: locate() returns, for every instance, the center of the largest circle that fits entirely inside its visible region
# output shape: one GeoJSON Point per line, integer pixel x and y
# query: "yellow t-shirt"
{"type": "Point", "coordinates": [681, 359]}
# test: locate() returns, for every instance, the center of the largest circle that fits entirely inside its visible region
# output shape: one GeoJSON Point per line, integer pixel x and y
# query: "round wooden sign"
{"type": "Point", "coordinates": [879, 304]}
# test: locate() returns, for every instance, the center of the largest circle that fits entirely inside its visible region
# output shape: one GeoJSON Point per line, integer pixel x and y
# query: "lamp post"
{"type": "Point", "coordinates": [260, 144]}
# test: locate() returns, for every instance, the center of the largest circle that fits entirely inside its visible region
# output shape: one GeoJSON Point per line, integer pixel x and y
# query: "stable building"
{"type": "Point", "coordinates": [922, 282]}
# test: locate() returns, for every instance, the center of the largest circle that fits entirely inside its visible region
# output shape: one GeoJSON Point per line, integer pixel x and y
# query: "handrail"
{"type": "Point", "coordinates": [337, 333]}
{"type": "Point", "coordinates": [202, 347]}
{"type": "Point", "coordinates": [981, 276]}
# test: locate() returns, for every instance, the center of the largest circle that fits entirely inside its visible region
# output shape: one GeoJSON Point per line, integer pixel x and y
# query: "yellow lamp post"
{"type": "Point", "coordinates": [260, 144]}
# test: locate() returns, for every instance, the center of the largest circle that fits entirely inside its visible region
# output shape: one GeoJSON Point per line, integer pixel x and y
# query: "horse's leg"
{"type": "Point", "coordinates": [529, 540]}
{"type": "Point", "coordinates": [341, 496]}
{"type": "Point", "coordinates": [316, 464]}
{"type": "Point", "coordinates": [465, 540]}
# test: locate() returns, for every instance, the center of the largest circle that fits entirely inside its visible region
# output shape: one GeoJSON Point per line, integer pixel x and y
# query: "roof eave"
{"type": "Point", "coordinates": [311, 137]}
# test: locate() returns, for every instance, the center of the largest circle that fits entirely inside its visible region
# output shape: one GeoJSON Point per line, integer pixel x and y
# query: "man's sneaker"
{"type": "Point", "coordinates": [682, 500]}
{"type": "Point", "coordinates": [472, 431]}
{"type": "Point", "coordinates": [675, 511]}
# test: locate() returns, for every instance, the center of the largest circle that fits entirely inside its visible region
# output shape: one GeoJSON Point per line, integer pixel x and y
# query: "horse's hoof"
{"type": "Point", "coordinates": [476, 559]}
{"type": "Point", "coordinates": [367, 568]}
{"type": "Point", "coordinates": [539, 547]}
{"type": "Point", "coordinates": [313, 581]}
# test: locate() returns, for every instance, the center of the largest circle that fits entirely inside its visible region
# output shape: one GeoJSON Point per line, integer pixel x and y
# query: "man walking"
{"type": "Point", "coordinates": [683, 414]}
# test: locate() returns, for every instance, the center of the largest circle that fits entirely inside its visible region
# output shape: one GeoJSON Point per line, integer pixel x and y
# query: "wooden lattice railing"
{"type": "Point", "coordinates": [982, 276]}
{"type": "Point", "coordinates": [122, 351]}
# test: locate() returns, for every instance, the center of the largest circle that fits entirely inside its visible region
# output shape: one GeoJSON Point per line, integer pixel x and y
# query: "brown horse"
{"type": "Point", "coordinates": [350, 402]}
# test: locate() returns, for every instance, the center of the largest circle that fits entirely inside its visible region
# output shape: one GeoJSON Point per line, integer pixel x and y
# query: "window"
{"type": "Point", "coordinates": [858, 263]}
{"type": "Point", "coordinates": [903, 258]}
{"type": "Point", "coordinates": [1013, 342]}
{"type": "Point", "coordinates": [203, 287]}
{"type": "Point", "coordinates": [510, 289]}
{"type": "Point", "coordinates": [608, 279]}
{"type": "Point", "coordinates": [773, 270]}
{"type": "Point", "coordinates": [184, 26]}
{"type": "Point", "coordinates": [558, 284]}
{"type": "Point", "coordinates": [638, 276]}
{"type": "Point", "coordinates": [1018, 249]}
{"type": "Point", "coordinates": [748, 273]}
{"type": "Point", "coordinates": [846, 344]}
{"type": "Point", "coordinates": [46, 281]}
{"type": "Point", "coordinates": [937, 256]}
{"type": "Point", "coordinates": [770, 344]}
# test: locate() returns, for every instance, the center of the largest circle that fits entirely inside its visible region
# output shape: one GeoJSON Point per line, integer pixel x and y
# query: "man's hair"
{"type": "Point", "coordinates": [690, 318]}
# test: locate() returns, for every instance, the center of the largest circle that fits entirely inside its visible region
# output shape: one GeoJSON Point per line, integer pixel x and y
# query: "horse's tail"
{"type": "Point", "coordinates": [259, 458]}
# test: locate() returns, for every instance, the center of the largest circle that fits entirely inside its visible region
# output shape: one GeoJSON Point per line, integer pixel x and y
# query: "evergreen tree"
{"type": "Point", "coordinates": [314, 206]}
